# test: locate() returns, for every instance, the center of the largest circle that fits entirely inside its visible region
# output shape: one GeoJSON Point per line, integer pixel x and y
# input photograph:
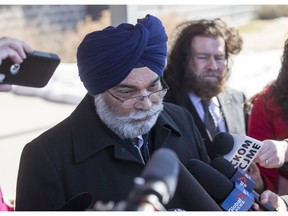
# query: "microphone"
{"type": "Point", "coordinates": [239, 150]}
{"type": "Point", "coordinates": [157, 184]}
{"type": "Point", "coordinates": [237, 175]}
{"type": "Point", "coordinates": [190, 195]}
{"type": "Point", "coordinates": [80, 202]}
{"type": "Point", "coordinates": [230, 197]}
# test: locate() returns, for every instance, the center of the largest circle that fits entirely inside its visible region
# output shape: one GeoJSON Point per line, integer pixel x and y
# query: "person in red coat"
{"type": "Point", "coordinates": [269, 122]}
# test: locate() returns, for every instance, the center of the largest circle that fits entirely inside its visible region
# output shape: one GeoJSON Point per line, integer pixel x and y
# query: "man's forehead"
{"type": "Point", "coordinates": [208, 44]}
{"type": "Point", "coordinates": [139, 76]}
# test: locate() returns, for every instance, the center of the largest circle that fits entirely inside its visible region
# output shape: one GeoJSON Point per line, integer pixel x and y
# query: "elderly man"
{"type": "Point", "coordinates": [104, 144]}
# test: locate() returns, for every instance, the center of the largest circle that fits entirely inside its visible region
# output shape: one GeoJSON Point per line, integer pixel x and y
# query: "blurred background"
{"type": "Point", "coordinates": [27, 112]}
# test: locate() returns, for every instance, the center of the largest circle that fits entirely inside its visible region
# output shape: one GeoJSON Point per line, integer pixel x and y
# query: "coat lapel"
{"type": "Point", "coordinates": [90, 135]}
{"type": "Point", "coordinates": [226, 107]}
{"type": "Point", "coordinates": [231, 105]}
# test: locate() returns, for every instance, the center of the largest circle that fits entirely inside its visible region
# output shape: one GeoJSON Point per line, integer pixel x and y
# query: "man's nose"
{"type": "Point", "coordinates": [144, 104]}
{"type": "Point", "coordinates": [212, 64]}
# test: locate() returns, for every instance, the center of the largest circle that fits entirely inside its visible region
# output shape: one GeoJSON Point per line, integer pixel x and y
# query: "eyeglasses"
{"type": "Point", "coordinates": [154, 96]}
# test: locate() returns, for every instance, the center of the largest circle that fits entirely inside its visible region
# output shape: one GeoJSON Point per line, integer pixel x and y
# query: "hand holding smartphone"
{"type": "Point", "coordinates": [35, 71]}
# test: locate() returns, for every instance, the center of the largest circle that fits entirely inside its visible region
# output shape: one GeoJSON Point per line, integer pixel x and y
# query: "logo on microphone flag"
{"type": "Point", "coordinates": [244, 151]}
{"type": "Point", "coordinates": [244, 180]}
{"type": "Point", "coordinates": [238, 200]}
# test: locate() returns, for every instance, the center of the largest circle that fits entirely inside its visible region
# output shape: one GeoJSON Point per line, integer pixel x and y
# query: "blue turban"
{"type": "Point", "coordinates": [105, 58]}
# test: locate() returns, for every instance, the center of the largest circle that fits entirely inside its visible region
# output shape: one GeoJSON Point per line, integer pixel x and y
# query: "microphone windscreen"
{"type": "Point", "coordinates": [163, 166]}
{"type": "Point", "coordinates": [223, 166]}
{"type": "Point", "coordinates": [80, 202]}
{"type": "Point", "coordinates": [222, 143]}
{"type": "Point", "coordinates": [227, 169]}
{"type": "Point", "coordinates": [214, 182]}
{"type": "Point", "coordinates": [190, 195]}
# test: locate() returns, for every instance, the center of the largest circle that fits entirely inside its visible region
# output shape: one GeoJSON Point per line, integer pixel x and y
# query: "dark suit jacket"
{"type": "Point", "coordinates": [232, 105]}
{"type": "Point", "coordinates": [81, 154]}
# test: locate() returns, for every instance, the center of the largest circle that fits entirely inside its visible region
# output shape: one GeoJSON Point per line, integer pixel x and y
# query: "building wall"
{"type": "Point", "coordinates": [45, 27]}
{"type": "Point", "coordinates": [18, 17]}
{"type": "Point", "coordinates": [15, 17]}
{"type": "Point", "coordinates": [232, 14]}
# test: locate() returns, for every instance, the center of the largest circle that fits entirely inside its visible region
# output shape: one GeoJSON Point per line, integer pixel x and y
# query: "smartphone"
{"type": "Point", "coordinates": [35, 71]}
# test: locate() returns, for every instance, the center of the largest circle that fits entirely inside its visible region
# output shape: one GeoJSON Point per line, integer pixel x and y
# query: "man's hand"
{"type": "Point", "coordinates": [273, 199]}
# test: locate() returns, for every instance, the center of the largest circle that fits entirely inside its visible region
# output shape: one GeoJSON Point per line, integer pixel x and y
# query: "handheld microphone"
{"type": "Point", "coordinates": [230, 197]}
{"type": "Point", "coordinates": [239, 150]}
{"type": "Point", "coordinates": [157, 184]}
{"type": "Point", "coordinates": [80, 202]}
{"type": "Point", "coordinates": [236, 175]}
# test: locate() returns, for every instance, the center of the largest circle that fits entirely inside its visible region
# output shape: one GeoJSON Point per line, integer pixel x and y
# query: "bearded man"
{"type": "Point", "coordinates": [197, 73]}
{"type": "Point", "coordinates": [107, 140]}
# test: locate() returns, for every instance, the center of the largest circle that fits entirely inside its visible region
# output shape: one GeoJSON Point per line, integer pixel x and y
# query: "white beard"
{"type": "Point", "coordinates": [127, 126]}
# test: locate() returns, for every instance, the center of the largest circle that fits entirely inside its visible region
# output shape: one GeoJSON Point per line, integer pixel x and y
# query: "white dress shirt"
{"type": "Point", "coordinates": [214, 108]}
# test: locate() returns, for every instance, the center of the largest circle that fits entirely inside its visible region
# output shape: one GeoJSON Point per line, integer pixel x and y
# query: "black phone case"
{"type": "Point", "coordinates": [35, 71]}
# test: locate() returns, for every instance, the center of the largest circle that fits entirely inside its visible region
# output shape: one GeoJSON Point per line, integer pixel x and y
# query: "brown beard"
{"type": "Point", "coordinates": [206, 88]}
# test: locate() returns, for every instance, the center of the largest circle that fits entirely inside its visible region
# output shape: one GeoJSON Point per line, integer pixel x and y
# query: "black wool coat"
{"type": "Point", "coordinates": [80, 154]}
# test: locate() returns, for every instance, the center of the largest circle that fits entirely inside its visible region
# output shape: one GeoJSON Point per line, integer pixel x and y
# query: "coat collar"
{"type": "Point", "coordinates": [225, 99]}
{"type": "Point", "coordinates": [90, 135]}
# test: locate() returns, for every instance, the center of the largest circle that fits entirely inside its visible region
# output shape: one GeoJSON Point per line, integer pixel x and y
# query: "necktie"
{"type": "Point", "coordinates": [143, 150]}
{"type": "Point", "coordinates": [209, 122]}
